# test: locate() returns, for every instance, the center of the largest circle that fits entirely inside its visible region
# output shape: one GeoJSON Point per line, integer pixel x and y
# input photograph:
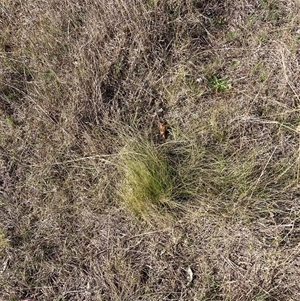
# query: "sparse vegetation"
{"type": "Point", "coordinates": [98, 201]}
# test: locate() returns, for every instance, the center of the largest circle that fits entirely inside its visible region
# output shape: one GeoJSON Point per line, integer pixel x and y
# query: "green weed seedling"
{"type": "Point", "coordinates": [219, 84]}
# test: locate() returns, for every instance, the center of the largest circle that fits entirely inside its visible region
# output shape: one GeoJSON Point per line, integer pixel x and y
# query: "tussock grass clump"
{"type": "Point", "coordinates": [148, 182]}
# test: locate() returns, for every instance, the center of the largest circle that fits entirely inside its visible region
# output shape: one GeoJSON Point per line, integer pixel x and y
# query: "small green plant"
{"type": "Point", "coordinates": [9, 121]}
{"type": "Point", "coordinates": [219, 84]}
{"type": "Point", "coordinates": [10, 96]}
{"type": "Point", "coordinates": [231, 35]}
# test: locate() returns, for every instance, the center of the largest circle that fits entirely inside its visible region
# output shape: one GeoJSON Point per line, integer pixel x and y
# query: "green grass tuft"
{"type": "Point", "coordinates": [147, 178]}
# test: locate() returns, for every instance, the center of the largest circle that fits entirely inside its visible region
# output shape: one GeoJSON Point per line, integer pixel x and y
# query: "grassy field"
{"type": "Point", "coordinates": [150, 150]}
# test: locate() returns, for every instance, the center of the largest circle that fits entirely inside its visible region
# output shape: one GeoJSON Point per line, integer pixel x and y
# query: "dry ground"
{"type": "Point", "coordinates": [79, 79]}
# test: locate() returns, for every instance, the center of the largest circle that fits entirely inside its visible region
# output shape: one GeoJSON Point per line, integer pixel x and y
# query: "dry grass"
{"type": "Point", "coordinates": [83, 88]}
